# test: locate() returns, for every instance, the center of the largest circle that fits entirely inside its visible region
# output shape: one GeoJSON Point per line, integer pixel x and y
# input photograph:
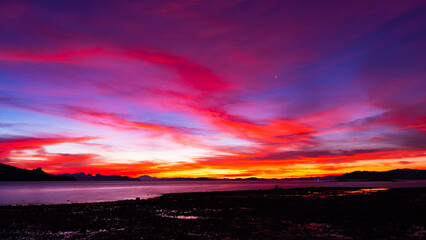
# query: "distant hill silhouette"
{"type": "Point", "coordinates": [397, 174]}
{"type": "Point", "coordinates": [11, 173]}
{"type": "Point", "coordinates": [149, 178]}
{"type": "Point", "coordinates": [98, 177]}
{"type": "Point", "coordinates": [327, 178]}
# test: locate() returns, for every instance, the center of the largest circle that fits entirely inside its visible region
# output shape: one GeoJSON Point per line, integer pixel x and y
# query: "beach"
{"type": "Point", "coordinates": [303, 213]}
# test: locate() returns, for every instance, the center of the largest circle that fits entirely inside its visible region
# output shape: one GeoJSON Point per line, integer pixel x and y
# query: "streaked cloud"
{"type": "Point", "coordinates": [222, 89]}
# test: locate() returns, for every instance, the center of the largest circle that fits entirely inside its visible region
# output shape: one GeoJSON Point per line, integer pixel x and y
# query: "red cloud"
{"type": "Point", "coordinates": [283, 131]}
{"type": "Point", "coordinates": [181, 135]}
{"type": "Point", "coordinates": [193, 74]}
{"type": "Point", "coordinates": [28, 143]}
{"type": "Point", "coordinates": [190, 73]}
{"type": "Point", "coordinates": [51, 161]}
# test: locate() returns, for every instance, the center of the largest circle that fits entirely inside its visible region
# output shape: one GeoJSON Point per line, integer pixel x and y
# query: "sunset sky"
{"type": "Point", "coordinates": [271, 89]}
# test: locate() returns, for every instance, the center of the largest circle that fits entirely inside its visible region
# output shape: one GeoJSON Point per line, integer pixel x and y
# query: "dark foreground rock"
{"type": "Point", "coordinates": [314, 213]}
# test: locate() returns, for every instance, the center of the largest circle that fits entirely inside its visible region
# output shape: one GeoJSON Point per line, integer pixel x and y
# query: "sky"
{"type": "Point", "coordinates": [224, 89]}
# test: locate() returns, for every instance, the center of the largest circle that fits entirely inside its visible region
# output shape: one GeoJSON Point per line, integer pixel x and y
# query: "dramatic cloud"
{"type": "Point", "coordinates": [29, 143]}
{"type": "Point", "coordinates": [213, 88]}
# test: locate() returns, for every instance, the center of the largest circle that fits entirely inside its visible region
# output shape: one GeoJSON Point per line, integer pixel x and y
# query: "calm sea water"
{"type": "Point", "coordinates": [78, 192]}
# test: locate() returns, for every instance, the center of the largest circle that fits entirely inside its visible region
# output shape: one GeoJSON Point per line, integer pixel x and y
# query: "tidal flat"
{"type": "Point", "coordinates": [306, 213]}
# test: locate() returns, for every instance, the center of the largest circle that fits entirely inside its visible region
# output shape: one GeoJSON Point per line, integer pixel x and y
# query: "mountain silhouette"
{"type": "Point", "coordinates": [98, 177]}
{"type": "Point", "coordinates": [11, 173]}
{"type": "Point", "coordinates": [397, 174]}
{"type": "Point", "coordinates": [149, 178]}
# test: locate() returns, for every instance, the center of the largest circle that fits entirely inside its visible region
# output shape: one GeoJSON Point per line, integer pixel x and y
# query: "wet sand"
{"type": "Point", "coordinates": [308, 213]}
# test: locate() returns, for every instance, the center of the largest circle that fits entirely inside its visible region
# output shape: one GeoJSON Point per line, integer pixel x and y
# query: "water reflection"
{"type": "Point", "coordinates": [74, 192]}
{"type": "Point", "coordinates": [366, 190]}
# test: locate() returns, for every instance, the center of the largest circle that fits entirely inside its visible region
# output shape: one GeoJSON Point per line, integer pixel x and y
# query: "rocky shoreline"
{"type": "Point", "coordinates": [308, 213]}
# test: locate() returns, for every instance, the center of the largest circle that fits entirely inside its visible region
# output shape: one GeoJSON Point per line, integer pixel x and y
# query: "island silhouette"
{"type": "Point", "coordinates": [11, 173]}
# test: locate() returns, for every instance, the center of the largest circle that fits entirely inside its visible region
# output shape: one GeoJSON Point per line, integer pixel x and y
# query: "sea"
{"type": "Point", "coordinates": [24, 193]}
